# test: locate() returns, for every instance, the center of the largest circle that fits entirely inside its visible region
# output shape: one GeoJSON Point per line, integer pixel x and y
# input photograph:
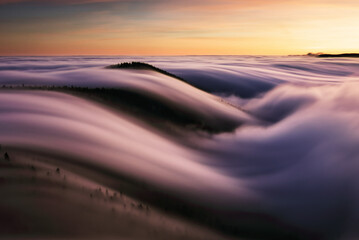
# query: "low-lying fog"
{"type": "Point", "coordinates": [294, 155]}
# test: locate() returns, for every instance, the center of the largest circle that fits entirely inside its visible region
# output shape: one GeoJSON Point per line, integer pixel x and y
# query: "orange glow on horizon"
{"type": "Point", "coordinates": [196, 27]}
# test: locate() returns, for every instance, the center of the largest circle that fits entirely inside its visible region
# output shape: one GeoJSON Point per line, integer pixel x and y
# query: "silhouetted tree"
{"type": "Point", "coordinates": [6, 156]}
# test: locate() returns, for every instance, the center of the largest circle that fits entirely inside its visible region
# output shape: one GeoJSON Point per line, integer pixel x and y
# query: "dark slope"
{"type": "Point", "coordinates": [47, 198]}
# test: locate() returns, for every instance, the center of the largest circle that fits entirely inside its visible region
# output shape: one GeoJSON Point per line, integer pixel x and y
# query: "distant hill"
{"type": "Point", "coordinates": [143, 66]}
{"type": "Point", "coordinates": [349, 55]}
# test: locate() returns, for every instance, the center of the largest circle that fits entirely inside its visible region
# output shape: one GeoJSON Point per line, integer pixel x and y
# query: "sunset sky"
{"type": "Point", "coordinates": [178, 27]}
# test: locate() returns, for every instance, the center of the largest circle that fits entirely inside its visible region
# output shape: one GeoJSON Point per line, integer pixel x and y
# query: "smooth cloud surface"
{"type": "Point", "coordinates": [294, 156]}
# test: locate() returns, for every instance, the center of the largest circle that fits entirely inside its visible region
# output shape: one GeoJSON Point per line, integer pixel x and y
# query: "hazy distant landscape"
{"type": "Point", "coordinates": [188, 147]}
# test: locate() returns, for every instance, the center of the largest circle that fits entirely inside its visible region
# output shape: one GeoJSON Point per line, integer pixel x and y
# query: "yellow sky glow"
{"type": "Point", "coordinates": [168, 28]}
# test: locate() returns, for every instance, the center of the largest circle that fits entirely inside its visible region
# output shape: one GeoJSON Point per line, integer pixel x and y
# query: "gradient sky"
{"type": "Point", "coordinates": [176, 27]}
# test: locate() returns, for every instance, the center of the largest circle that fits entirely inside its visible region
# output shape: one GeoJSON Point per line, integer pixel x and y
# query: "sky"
{"type": "Point", "coordinates": [178, 27]}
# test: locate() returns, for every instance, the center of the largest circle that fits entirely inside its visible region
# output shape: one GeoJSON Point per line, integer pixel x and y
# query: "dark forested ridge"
{"type": "Point", "coordinates": [142, 66]}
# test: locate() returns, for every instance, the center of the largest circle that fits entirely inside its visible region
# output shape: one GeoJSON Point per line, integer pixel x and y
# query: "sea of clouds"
{"type": "Point", "coordinates": [294, 155]}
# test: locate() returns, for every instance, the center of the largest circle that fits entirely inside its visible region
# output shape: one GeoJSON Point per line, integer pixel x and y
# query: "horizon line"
{"type": "Point", "coordinates": [144, 55]}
